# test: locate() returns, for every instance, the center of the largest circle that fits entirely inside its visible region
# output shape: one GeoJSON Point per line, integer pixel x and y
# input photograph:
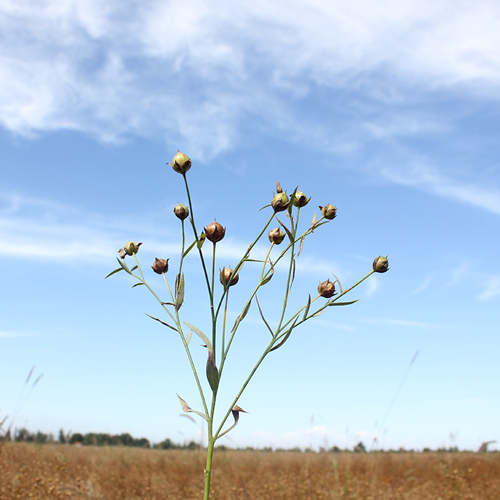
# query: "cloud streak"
{"type": "Point", "coordinates": [196, 74]}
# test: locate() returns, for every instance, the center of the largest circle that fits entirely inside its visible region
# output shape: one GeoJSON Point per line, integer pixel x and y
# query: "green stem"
{"type": "Point", "coordinates": [193, 225]}
{"type": "Point", "coordinates": [208, 467]}
{"type": "Point", "coordinates": [290, 268]}
{"type": "Point", "coordinates": [224, 328]}
{"type": "Point", "coordinates": [214, 320]}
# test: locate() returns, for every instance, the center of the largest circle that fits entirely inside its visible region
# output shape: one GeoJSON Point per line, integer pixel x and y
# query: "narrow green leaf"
{"type": "Point", "coordinates": [201, 240]}
{"type": "Point", "coordinates": [267, 279]}
{"type": "Point", "coordinates": [162, 322]}
{"type": "Point", "coordinates": [113, 272]}
{"type": "Point", "coordinates": [287, 231]}
{"type": "Point", "coordinates": [292, 199]}
{"type": "Point", "coordinates": [338, 281]}
{"type": "Point", "coordinates": [189, 248]}
{"type": "Point", "coordinates": [313, 223]}
{"type": "Point", "coordinates": [201, 335]}
{"type": "Point", "coordinates": [307, 308]}
{"type": "Point", "coordinates": [293, 272]}
{"type": "Point", "coordinates": [262, 316]}
{"type": "Point", "coordinates": [343, 303]}
{"type": "Point", "coordinates": [285, 338]}
{"type": "Point", "coordinates": [253, 260]}
{"type": "Point", "coordinates": [137, 284]}
{"type": "Point", "coordinates": [123, 265]}
{"type": "Point", "coordinates": [241, 316]}
{"type": "Point", "coordinates": [265, 206]}
{"type": "Point", "coordinates": [212, 372]}
{"type": "Point", "coordinates": [179, 292]}
{"type": "Point", "coordinates": [134, 268]}
{"type": "Point", "coordinates": [301, 245]}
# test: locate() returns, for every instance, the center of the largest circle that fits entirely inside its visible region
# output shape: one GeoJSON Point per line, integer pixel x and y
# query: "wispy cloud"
{"type": "Point", "coordinates": [399, 322]}
{"type": "Point", "coordinates": [423, 285]}
{"type": "Point", "coordinates": [491, 288]}
{"type": "Point", "coordinates": [111, 71]}
{"type": "Point", "coordinates": [37, 228]}
{"type": "Point", "coordinates": [458, 274]}
{"type": "Point", "coordinates": [14, 335]}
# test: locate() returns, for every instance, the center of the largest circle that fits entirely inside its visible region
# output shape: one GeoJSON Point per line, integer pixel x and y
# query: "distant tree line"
{"type": "Point", "coordinates": [96, 439]}
{"type": "Point", "coordinates": [125, 439]}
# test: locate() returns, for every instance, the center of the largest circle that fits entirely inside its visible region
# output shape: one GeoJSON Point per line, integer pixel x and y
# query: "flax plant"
{"type": "Point", "coordinates": [288, 207]}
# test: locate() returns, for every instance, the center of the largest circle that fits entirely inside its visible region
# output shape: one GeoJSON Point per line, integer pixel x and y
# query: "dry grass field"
{"type": "Point", "coordinates": [61, 471]}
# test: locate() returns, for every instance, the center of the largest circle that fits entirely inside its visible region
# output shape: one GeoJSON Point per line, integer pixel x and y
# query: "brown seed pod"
{"type": "Point", "coordinates": [280, 202]}
{"type": "Point", "coordinates": [300, 199]}
{"type": "Point", "coordinates": [226, 274]}
{"type": "Point", "coordinates": [215, 232]}
{"type": "Point", "coordinates": [160, 266]}
{"type": "Point", "coordinates": [326, 289]}
{"type": "Point", "coordinates": [181, 163]}
{"type": "Point", "coordinates": [381, 264]}
{"type": "Point", "coordinates": [181, 211]}
{"type": "Point", "coordinates": [328, 211]}
{"type": "Point", "coordinates": [131, 248]}
{"type": "Point", "coordinates": [276, 236]}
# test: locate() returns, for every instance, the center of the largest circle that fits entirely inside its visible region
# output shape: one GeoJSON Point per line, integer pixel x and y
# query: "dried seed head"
{"type": "Point", "coordinates": [181, 211]}
{"type": "Point", "coordinates": [215, 232]}
{"type": "Point", "coordinates": [326, 289]}
{"type": "Point", "coordinates": [300, 199]}
{"type": "Point", "coordinates": [226, 276]}
{"type": "Point", "coordinates": [278, 187]}
{"type": "Point", "coordinates": [130, 248]}
{"type": "Point", "coordinates": [276, 236]}
{"type": "Point", "coordinates": [280, 202]}
{"type": "Point", "coordinates": [160, 266]}
{"type": "Point", "coordinates": [181, 163]}
{"type": "Point", "coordinates": [381, 265]}
{"type": "Point", "coordinates": [238, 408]}
{"type": "Point", "coordinates": [328, 211]}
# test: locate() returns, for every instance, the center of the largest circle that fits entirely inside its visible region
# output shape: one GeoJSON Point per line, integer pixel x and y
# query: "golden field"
{"type": "Point", "coordinates": [30, 471]}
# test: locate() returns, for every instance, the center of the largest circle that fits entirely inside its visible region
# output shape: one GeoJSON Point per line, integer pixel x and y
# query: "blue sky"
{"type": "Point", "coordinates": [390, 112]}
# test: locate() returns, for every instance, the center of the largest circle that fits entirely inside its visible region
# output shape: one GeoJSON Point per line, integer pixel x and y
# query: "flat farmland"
{"type": "Point", "coordinates": [61, 471]}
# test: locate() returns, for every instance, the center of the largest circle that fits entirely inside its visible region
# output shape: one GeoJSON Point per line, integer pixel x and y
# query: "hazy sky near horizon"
{"type": "Point", "coordinates": [390, 111]}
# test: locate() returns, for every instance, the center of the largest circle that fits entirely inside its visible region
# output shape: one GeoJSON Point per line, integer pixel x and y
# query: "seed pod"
{"type": "Point", "coordinates": [160, 266]}
{"type": "Point", "coordinates": [280, 202]}
{"type": "Point", "coordinates": [326, 289]}
{"type": "Point", "coordinates": [181, 211]}
{"type": "Point", "coordinates": [226, 274]}
{"type": "Point", "coordinates": [131, 248]}
{"type": "Point", "coordinates": [328, 211]}
{"type": "Point", "coordinates": [381, 264]}
{"type": "Point", "coordinates": [300, 199]}
{"type": "Point", "coordinates": [276, 236]}
{"type": "Point", "coordinates": [215, 232]}
{"type": "Point", "coordinates": [181, 163]}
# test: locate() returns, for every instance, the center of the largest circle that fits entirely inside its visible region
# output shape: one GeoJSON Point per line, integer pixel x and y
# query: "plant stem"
{"type": "Point", "coordinates": [208, 466]}
{"type": "Point", "coordinates": [196, 237]}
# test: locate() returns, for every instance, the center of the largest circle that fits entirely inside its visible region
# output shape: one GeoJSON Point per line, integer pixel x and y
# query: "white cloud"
{"type": "Point", "coordinates": [196, 74]}
{"type": "Point", "coordinates": [491, 289]}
